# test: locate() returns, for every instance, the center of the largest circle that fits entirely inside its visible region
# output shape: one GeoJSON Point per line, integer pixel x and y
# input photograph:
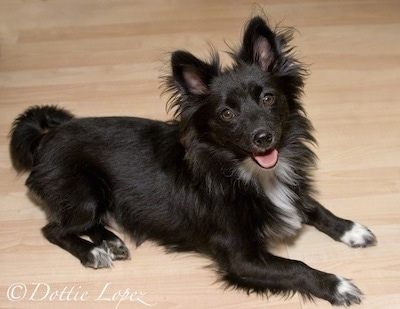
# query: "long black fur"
{"type": "Point", "coordinates": [228, 177]}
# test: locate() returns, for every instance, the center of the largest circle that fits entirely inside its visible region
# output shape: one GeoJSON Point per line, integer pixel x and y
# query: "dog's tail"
{"type": "Point", "coordinates": [29, 129]}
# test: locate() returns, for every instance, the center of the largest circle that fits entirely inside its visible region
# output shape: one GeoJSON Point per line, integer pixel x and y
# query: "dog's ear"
{"type": "Point", "coordinates": [190, 84]}
{"type": "Point", "coordinates": [259, 44]}
{"type": "Point", "coordinates": [192, 75]}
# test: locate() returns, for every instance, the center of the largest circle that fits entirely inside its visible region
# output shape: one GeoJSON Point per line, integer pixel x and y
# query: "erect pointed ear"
{"type": "Point", "coordinates": [259, 45]}
{"type": "Point", "coordinates": [193, 76]}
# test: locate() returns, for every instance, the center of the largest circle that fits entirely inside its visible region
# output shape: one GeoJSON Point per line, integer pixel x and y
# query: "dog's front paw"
{"type": "Point", "coordinates": [347, 294]}
{"type": "Point", "coordinates": [359, 236]}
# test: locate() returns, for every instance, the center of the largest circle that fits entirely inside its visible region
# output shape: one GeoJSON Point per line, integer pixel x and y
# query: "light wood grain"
{"type": "Point", "coordinates": [103, 57]}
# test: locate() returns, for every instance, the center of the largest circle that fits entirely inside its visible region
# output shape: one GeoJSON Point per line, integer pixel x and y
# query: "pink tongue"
{"type": "Point", "coordinates": [268, 159]}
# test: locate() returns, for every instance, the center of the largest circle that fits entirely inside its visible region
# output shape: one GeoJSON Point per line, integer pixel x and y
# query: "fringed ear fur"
{"type": "Point", "coordinates": [258, 44]}
{"type": "Point", "coordinates": [192, 75]}
{"type": "Point", "coordinates": [189, 85]}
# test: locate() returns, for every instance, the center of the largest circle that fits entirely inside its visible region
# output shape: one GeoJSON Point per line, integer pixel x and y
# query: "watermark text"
{"type": "Point", "coordinates": [44, 292]}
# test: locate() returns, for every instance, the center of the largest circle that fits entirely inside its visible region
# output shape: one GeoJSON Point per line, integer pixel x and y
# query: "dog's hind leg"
{"type": "Point", "coordinates": [90, 255]}
{"type": "Point", "coordinates": [76, 203]}
{"type": "Point", "coordinates": [103, 237]}
{"type": "Point", "coordinates": [351, 233]}
{"type": "Point", "coordinates": [71, 216]}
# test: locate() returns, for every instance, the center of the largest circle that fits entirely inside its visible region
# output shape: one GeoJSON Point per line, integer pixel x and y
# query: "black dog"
{"type": "Point", "coordinates": [228, 177]}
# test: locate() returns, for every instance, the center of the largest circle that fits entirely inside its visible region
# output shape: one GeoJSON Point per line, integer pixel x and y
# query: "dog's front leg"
{"type": "Point", "coordinates": [276, 275]}
{"type": "Point", "coordinates": [351, 233]}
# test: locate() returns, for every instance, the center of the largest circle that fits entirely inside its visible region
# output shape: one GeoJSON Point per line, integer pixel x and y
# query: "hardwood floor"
{"type": "Point", "coordinates": [102, 57]}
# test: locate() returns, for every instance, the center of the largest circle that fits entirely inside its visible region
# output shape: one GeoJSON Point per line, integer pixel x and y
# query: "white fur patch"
{"type": "Point", "coordinates": [358, 236]}
{"type": "Point", "coordinates": [275, 184]}
{"type": "Point", "coordinates": [347, 293]}
{"type": "Point", "coordinates": [102, 258]}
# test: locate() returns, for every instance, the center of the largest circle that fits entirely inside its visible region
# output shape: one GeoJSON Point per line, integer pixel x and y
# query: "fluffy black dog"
{"type": "Point", "coordinates": [228, 177]}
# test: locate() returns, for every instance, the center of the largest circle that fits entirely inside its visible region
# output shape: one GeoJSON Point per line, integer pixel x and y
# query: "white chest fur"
{"type": "Point", "coordinates": [276, 184]}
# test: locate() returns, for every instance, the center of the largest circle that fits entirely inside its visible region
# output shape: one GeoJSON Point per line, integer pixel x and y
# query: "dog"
{"type": "Point", "coordinates": [228, 177]}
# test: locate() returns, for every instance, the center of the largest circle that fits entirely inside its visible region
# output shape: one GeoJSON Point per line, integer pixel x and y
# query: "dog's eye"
{"type": "Point", "coordinates": [227, 114]}
{"type": "Point", "coordinates": [268, 99]}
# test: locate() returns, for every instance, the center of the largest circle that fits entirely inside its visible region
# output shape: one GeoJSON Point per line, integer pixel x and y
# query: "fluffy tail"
{"type": "Point", "coordinates": [29, 129]}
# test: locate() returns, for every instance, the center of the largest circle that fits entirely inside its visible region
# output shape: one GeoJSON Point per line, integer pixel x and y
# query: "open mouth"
{"type": "Point", "coordinates": [267, 159]}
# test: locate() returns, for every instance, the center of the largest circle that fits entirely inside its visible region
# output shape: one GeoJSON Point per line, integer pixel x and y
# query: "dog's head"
{"type": "Point", "coordinates": [243, 108]}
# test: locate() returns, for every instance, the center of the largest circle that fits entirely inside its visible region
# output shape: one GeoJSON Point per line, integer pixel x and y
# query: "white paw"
{"type": "Point", "coordinates": [358, 236]}
{"type": "Point", "coordinates": [100, 258]}
{"type": "Point", "coordinates": [347, 293]}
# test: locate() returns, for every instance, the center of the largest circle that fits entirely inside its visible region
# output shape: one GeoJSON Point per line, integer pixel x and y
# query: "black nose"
{"type": "Point", "coordinates": [262, 139]}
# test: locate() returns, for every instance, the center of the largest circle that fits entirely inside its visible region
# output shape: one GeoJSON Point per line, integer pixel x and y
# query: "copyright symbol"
{"type": "Point", "coordinates": [16, 292]}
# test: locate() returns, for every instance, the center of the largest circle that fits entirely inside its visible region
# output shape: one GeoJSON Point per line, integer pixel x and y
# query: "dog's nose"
{"type": "Point", "coordinates": [262, 139]}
